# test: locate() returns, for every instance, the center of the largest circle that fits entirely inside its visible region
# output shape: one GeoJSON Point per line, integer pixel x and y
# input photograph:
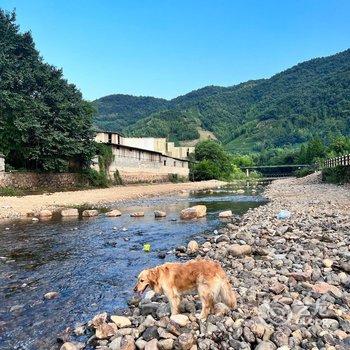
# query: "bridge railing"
{"type": "Point", "coordinates": [341, 160]}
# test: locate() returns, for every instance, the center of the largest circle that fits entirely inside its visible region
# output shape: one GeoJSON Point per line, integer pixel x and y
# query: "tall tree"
{"type": "Point", "coordinates": [44, 123]}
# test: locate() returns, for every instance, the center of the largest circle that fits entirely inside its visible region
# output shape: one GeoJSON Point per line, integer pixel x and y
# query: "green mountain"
{"type": "Point", "coordinates": [309, 99]}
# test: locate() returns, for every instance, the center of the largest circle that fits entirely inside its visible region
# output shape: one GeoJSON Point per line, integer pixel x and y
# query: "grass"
{"type": "Point", "coordinates": [11, 192]}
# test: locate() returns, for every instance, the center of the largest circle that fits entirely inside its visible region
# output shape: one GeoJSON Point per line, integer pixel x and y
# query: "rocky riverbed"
{"type": "Point", "coordinates": [291, 277]}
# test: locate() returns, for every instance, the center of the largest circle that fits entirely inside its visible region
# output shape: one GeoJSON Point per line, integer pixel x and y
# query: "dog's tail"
{"type": "Point", "coordinates": [227, 294]}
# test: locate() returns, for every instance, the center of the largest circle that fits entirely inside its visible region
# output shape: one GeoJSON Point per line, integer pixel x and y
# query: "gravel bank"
{"type": "Point", "coordinates": [293, 289]}
{"type": "Point", "coordinates": [14, 207]}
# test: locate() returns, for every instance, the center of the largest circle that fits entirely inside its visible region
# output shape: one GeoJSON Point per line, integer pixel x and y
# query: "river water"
{"type": "Point", "coordinates": [93, 262]}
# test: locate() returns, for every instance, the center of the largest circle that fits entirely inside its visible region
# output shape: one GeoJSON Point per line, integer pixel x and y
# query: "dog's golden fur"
{"type": "Point", "coordinates": [204, 276]}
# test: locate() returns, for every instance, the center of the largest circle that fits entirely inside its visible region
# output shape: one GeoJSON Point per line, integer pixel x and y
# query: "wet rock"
{"type": "Point", "coordinates": [161, 255]}
{"type": "Point", "coordinates": [239, 250]}
{"type": "Point", "coordinates": [121, 321]}
{"type": "Point", "coordinates": [159, 214]}
{"type": "Point", "coordinates": [90, 213]}
{"type": "Point", "coordinates": [99, 319]}
{"type": "Point", "coordinates": [51, 295]}
{"type": "Point", "coordinates": [225, 214]}
{"type": "Point", "coordinates": [137, 214]}
{"type": "Point", "coordinates": [197, 211]}
{"type": "Point", "coordinates": [192, 247]}
{"type": "Point", "coordinates": [69, 212]}
{"type": "Point", "coordinates": [113, 213]}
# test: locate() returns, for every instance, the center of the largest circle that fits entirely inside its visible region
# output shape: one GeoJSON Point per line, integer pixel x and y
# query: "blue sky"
{"type": "Point", "coordinates": [166, 48]}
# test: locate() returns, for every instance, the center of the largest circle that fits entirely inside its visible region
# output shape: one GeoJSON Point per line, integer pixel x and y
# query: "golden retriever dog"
{"type": "Point", "coordinates": [174, 279]}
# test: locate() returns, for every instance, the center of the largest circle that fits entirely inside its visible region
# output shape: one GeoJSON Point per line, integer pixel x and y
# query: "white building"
{"type": "Point", "coordinates": [145, 159]}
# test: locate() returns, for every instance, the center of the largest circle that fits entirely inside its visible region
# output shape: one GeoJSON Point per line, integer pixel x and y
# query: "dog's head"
{"type": "Point", "coordinates": [147, 278]}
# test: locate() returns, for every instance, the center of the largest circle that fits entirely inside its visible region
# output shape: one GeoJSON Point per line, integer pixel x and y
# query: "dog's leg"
{"type": "Point", "coordinates": [207, 300]}
{"type": "Point", "coordinates": [174, 300]}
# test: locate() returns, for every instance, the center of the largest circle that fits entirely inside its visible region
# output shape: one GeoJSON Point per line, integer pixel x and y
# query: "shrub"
{"type": "Point", "coordinates": [95, 178]}
{"type": "Point", "coordinates": [303, 172]}
{"type": "Point", "coordinates": [337, 175]}
{"type": "Point", "coordinates": [10, 192]}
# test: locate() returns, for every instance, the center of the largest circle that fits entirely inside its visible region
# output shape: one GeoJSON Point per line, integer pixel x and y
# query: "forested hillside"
{"type": "Point", "coordinates": [307, 100]}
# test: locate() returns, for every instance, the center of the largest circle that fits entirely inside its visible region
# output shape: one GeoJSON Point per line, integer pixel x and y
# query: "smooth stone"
{"type": "Point", "coordinates": [225, 214]}
{"type": "Point", "coordinates": [137, 214]}
{"type": "Point", "coordinates": [113, 213]}
{"type": "Point", "coordinates": [159, 214]}
{"type": "Point", "coordinates": [51, 295]}
{"type": "Point", "coordinates": [121, 321]}
{"type": "Point", "coordinates": [45, 213]}
{"type": "Point", "coordinates": [70, 212]}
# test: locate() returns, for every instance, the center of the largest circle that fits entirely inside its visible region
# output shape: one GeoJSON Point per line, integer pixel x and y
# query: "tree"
{"type": "Point", "coordinates": [212, 162]}
{"type": "Point", "coordinates": [45, 124]}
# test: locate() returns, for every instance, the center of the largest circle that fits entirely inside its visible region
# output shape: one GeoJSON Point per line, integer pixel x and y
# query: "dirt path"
{"type": "Point", "coordinates": [14, 207]}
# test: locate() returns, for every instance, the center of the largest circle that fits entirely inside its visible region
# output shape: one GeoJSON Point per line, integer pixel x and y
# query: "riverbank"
{"type": "Point", "coordinates": [293, 288]}
{"type": "Point", "coordinates": [15, 207]}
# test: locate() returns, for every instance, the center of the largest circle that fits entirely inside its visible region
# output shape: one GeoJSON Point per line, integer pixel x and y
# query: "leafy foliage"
{"type": "Point", "coordinates": [45, 124]}
{"type": "Point", "coordinates": [289, 109]}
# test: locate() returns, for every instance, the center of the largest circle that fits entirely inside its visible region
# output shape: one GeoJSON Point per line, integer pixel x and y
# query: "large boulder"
{"type": "Point", "coordinates": [197, 211]}
{"type": "Point", "coordinates": [90, 213]}
{"type": "Point", "coordinates": [70, 212]}
{"type": "Point", "coordinates": [113, 213]}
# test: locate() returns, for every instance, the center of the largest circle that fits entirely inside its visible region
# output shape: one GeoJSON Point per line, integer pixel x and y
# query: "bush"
{"type": "Point", "coordinates": [117, 178]}
{"type": "Point", "coordinates": [337, 175]}
{"type": "Point", "coordinates": [303, 172]}
{"type": "Point", "coordinates": [95, 178]}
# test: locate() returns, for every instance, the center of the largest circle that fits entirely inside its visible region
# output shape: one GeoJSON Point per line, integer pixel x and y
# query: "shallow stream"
{"type": "Point", "coordinates": [93, 262]}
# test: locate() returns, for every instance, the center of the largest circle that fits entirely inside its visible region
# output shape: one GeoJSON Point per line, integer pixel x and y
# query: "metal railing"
{"type": "Point", "coordinates": [333, 162]}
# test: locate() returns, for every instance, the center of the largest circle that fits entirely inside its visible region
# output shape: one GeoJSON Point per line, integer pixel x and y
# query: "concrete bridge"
{"type": "Point", "coordinates": [275, 170]}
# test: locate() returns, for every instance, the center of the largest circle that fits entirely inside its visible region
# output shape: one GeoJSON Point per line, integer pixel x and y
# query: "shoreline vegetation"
{"type": "Point", "coordinates": [291, 277]}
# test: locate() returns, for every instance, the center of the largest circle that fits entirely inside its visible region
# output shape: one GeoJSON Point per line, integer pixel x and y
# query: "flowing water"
{"type": "Point", "coordinates": [93, 262]}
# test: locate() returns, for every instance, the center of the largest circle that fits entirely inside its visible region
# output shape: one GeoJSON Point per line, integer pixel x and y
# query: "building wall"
{"type": "Point", "coordinates": [148, 143]}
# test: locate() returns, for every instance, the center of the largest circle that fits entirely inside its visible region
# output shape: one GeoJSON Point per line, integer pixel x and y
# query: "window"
{"type": "Point", "coordinates": [109, 137]}
{"type": "Point", "coordinates": [165, 163]}
{"type": "Point", "coordinates": [174, 163]}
